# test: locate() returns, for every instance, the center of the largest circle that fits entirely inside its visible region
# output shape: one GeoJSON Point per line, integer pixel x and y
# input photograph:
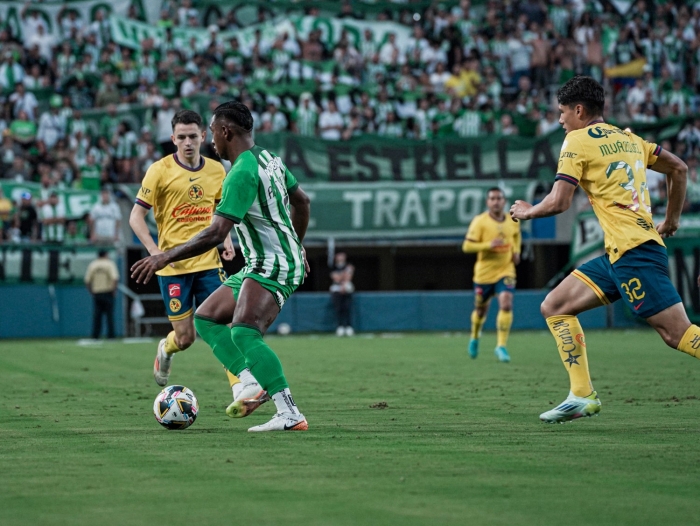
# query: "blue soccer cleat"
{"type": "Point", "coordinates": [502, 354]}
{"type": "Point", "coordinates": [473, 348]}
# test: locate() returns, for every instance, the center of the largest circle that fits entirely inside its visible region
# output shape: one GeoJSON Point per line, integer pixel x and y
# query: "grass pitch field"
{"type": "Point", "coordinates": [459, 441]}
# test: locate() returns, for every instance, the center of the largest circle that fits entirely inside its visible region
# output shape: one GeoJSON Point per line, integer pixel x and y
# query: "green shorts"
{"type": "Point", "coordinates": [281, 293]}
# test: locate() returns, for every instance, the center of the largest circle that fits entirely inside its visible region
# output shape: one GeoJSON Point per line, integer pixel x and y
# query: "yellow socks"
{"type": "Point", "coordinates": [477, 324]}
{"type": "Point", "coordinates": [568, 334]}
{"type": "Point", "coordinates": [232, 378]}
{"type": "Point", "coordinates": [503, 322]}
{"type": "Point", "coordinates": [170, 345]}
{"type": "Point", "coordinates": [690, 342]}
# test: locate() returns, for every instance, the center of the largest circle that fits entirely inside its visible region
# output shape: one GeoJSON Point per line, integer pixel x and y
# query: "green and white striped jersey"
{"type": "Point", "coordinates": [255, 196]}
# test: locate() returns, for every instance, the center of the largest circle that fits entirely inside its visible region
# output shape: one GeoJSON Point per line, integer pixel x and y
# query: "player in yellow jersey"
{"type": "Point", "coordinates": [610, 165]}
{"type": "Point", "coordinates": [183, 190]}
{"type": "Point", "coordinates": [496, 240]}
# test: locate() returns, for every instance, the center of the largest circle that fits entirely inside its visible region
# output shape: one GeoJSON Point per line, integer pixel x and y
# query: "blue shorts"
{"type": "Point", "coordinates": [640, 277]}
{"type": "Point", "coordinates": [180, 293]}
{"type": "Point", "coordinates": [484, 292]}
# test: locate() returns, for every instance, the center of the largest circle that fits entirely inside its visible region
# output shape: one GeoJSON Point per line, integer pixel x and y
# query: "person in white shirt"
{"type": "Point", "coordinates": [52, 125]}
{"type": "Point", "coordinates": [105, 220]}
{"type": "Point", "coordinates": [330, 123]}
{"type": "Point", "coordinates": [273, 120]}
{"type": "Point", "coordinates": [389, 53]}
{"type": "Point", "coordinates": [44, 40]}
{"type": "Point", "coordinates": [53, 219]}
{"type": "Point", "coordinates": [23, 100]}
{"type": "Point", "coordinates": [11, 73]}
{"type": "Point", "coordinates": [164, 128]}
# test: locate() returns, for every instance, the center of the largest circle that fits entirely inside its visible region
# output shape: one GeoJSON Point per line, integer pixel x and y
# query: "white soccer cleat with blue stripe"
{"type": "Point", "coordinates": [572, 408]}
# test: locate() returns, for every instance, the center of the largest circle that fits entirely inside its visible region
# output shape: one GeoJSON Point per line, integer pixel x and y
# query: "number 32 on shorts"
{"type": "Point", "coordinates": [633, 290]}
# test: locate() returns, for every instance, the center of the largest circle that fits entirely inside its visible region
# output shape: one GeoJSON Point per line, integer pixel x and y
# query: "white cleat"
{"type": "Point", "coordinates": [161, 367]}
{"type": "Point", "coordinates": [349, 331]}
{"type": "Point", "coordinates": [249, 398]}
{"type": "Point", "coordinates": [572, 408]}
{"type": "Point", "coordinates": [283, 422]}
{"type": "Point", "coordinates": [340, 331]}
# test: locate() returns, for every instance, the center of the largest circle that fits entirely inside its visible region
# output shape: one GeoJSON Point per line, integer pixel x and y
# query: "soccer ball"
{"type": "Point", "coordinates": [175, 407]}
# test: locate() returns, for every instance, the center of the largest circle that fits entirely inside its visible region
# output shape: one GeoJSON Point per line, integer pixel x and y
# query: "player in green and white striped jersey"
{"type": "Point", "coordinates": [270, 212]}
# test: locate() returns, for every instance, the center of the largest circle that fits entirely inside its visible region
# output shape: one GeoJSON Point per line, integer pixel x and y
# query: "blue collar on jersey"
{"type": "Point", "coordinates": [201, 163]}
{"type": "Point", "coordinates": [600, 121]}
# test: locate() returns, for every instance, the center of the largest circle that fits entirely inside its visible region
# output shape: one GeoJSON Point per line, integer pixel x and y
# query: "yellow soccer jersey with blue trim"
{"type": "Point", "coordinates": [183, 201]}
{"type": "Point", "coordinates": [495, 263]}
{"type": "Point", "coordinates": [610, 165]}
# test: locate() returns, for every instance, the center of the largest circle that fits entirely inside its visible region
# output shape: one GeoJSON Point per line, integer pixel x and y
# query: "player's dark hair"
{"type": "Point", "coordinates": [235, 113]}
{"type": "Point", "coordinates": [101, 253]}
{"type": "Point", "coordinates": [187, 117]}
{"type": "Point", "coordinates": [584, 91]}
{"type": "Point", "coordinates": [495, 189]}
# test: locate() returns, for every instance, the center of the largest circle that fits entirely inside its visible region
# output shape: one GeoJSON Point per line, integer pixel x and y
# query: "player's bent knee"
{"type": "Point", "coordinates": [185, 340]}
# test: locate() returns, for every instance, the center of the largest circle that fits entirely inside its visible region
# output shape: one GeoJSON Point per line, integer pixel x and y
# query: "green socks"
{"type": "Point", "coordinates": [260, 359]}
{"type": "Point", "coordinates": [218, 337]}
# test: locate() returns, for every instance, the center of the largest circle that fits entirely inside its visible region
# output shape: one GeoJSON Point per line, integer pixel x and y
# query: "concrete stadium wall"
{"type": "Point", "coordinates": [26, 311]}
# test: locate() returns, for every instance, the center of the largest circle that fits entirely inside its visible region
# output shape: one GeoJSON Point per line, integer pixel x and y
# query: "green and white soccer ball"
{"type": "Point", "coordinates": [176, 407]}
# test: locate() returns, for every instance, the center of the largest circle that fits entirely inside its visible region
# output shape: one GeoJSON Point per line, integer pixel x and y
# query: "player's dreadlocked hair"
{"type": "Point", "coordinates": [236, 113]}
{"type": "Point", "coordinates": [585, 91]}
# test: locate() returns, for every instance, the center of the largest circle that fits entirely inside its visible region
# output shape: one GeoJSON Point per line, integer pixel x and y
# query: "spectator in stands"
{"type": "Point", "coordinates": [26, 220]}
{"type": "Point", "coordinates": [52, 125]}
{"type": "Point", "coordinates": [330, 122]}
{"type": "Point", "coordinates": [23, 129]}
{"type": "Point", "coordinates": [101, 279]}
{"type": "Point", "coordinates": [6, 209]}
{"type": "Point", "coordinates": [273, 120]}
{"type": "Point", "coordinates": [23, 100]}
{"type": "Point", "coordinates": [342, 290]}
{"type": "Point", "coordinates": [105, 220]}
{"type": "Point", "coordinates": [53, 219]}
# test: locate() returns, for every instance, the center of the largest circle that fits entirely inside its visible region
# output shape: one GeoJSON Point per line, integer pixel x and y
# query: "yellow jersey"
{"type": "Point", "coordinates": [493, 264]}
{"type": "Point", "coordinates": [610, 165]}
{"type": "Point", "coordinates": [183, 201]}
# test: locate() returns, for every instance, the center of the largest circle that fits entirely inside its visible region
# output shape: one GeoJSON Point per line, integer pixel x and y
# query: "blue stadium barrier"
{"type": "Point", "coordinates": [26, 311]}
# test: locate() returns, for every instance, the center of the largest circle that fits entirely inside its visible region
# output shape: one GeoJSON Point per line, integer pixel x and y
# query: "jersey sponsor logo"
{"type": "Point", "coordinates": [144, 190]}
{"type": "Point", "coordinates": [601, 133]}
{"type": "Point", "coordinates": [174, 290]}
{"type": "Point", "coordinates": [193, 179]}
{"type": "Point", "coordinates": [189, 213]}
{"type": "Point", "coordinates": [570, 155]}
{"type": "Point", "coordinates": [581, 340]}
{"type": "Point", "coordinates": [636, 307]}
{"type": "Point", "coordinates": [195, 193]}
{"type": "Point", "coordinates": [175, 305]}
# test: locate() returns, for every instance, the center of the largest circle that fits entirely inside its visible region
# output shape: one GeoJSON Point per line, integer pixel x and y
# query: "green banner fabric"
{"type": "Point", "coordinates": [372, 158]}
{"type": "Point", "coordinates": [77, 202]}
{"type": "Point", "coordinates": [131, 33]}
{"type": "Point", "coordinates": [53, 12]}
{"type": "Point", "coordinates": [401, 210]}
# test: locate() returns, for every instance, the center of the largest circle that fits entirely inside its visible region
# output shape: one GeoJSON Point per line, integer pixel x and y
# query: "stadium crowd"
{"type": "Point", "coordinates": [467, 70]}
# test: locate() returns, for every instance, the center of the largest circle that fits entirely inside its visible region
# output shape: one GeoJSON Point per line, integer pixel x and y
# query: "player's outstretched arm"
{"type": "Point", "coordinates": [557, 201]}
{"type": "Point", "coordinates": [676, 181]}
{"type": "Point", "coordinates": [137, 222]}
{"type": "Point", "coordinates": [142, 271]}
